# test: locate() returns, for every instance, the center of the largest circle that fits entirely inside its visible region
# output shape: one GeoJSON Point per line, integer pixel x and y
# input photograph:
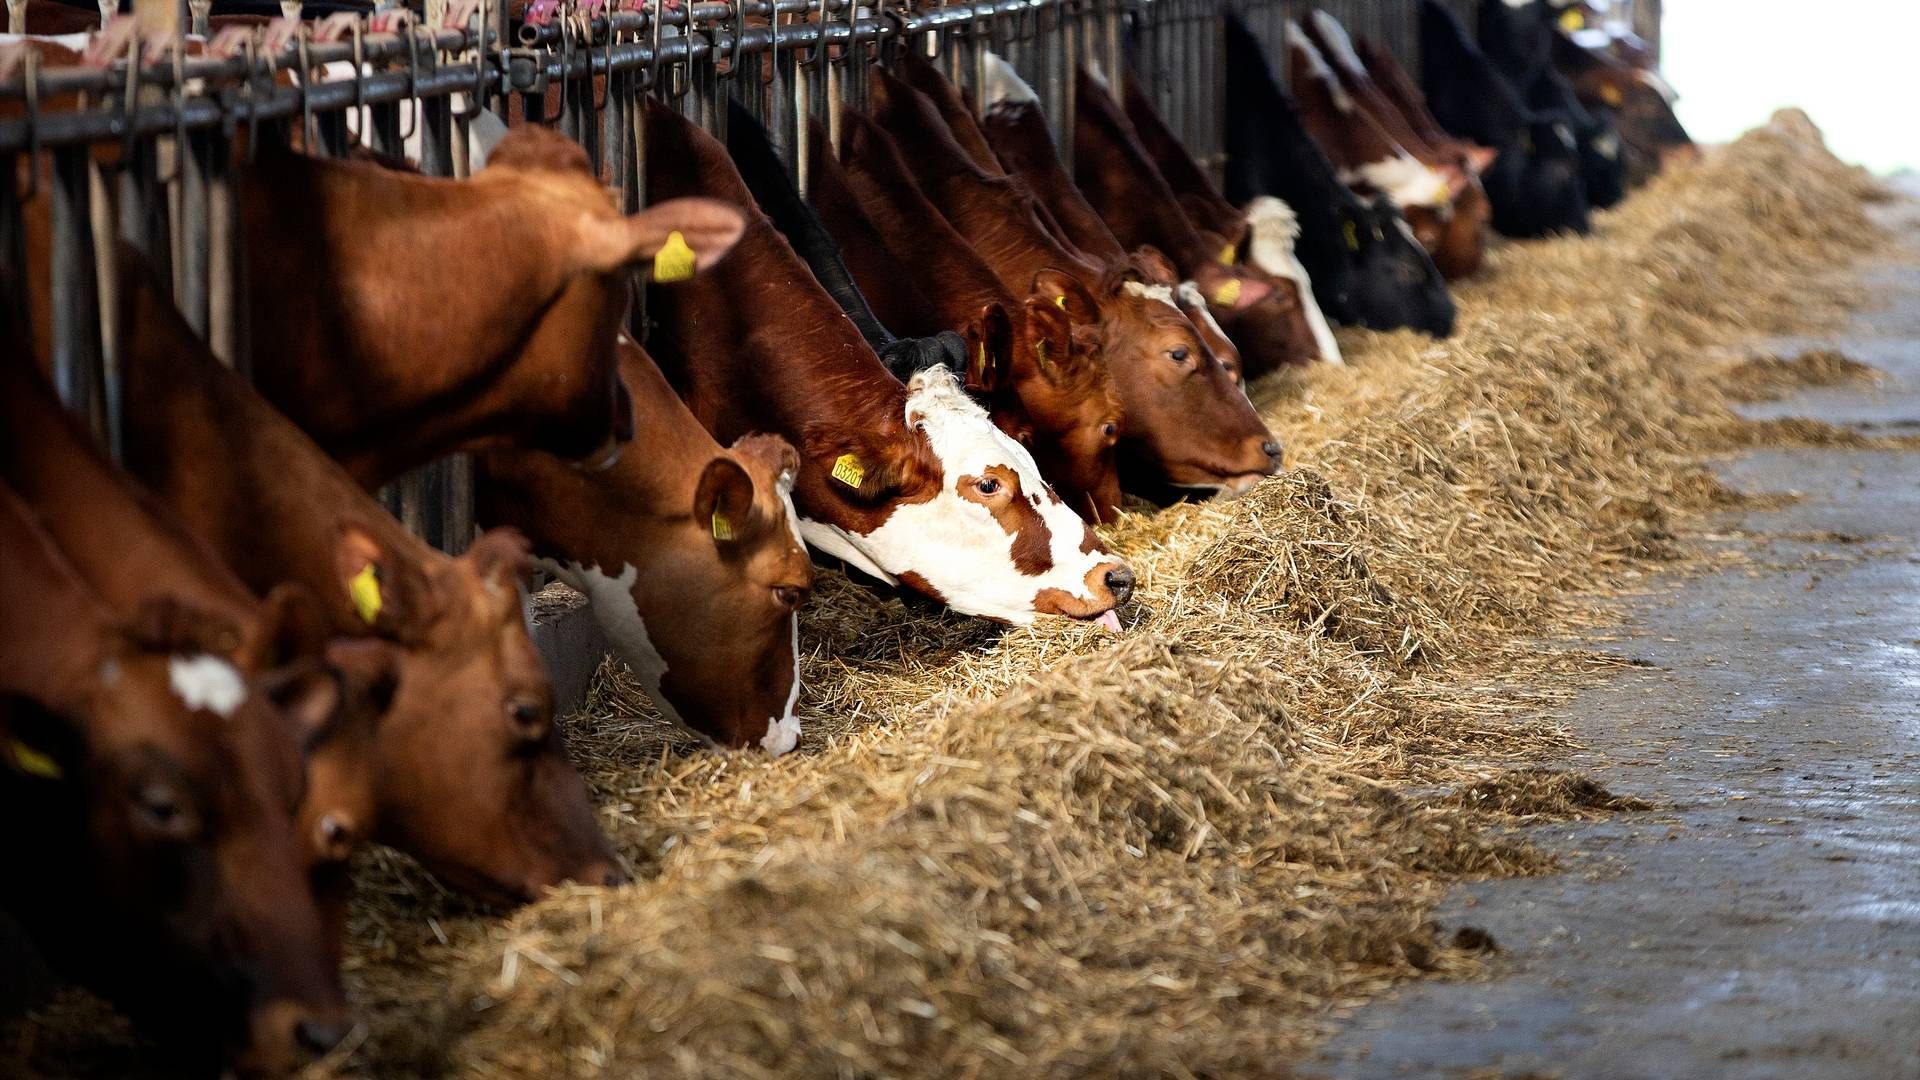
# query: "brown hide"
{"type": "Point", "coordinates": [892, 286]}
{"type": "Point", "coordinates": [718, 572]}
{"type": "Point", "coordinates": [1019, 135]}
{"type": "Point", "coordinates": [386, 322]}
{"type": "Point", "coordinates": [466, 770]}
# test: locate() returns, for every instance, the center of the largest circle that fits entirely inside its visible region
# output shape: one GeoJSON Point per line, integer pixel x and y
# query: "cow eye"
{"type": "Point", "coordinates": [529, 716]}
{"type": "Point", "coordinates": [1178, 354]}
{"type": "Point", "coordinates": [987, 485]}
{"type": "Point", "coordinates": [1110, 430]}
{"type": "Point", "coordinates": [160, 810]}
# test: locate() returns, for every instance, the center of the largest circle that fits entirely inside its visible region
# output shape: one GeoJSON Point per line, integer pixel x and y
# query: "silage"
{"type": "Point", "coordinates": [1049, 851]}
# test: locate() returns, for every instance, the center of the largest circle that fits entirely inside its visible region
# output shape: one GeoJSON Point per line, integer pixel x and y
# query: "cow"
{"type": "Point", "coordinates": [911, 484]}
{"type": "Point", "coordinates": [219, 912]}
{"type": "Point", "coordinates": [152, 845]}
{"type": "Point", "coordinates": [1365, 267]}
{"type": "Point", "coordinates": [1386, 146]}
{"type": "Point", "coordinates": [523, 345]}
{"type": "Point", "coordinates": [1535, 184]}
{"type": "Point", "coordinates": [1043, 378]}
{"type": "Point", "coordinates": [1188, 426]}
{"type": "Point", "coordinates": [1519, 42]}
{"type": "Point", "coordinates": [1638, 101]}
{"type": "Point", "coordinates": [689, 552]}
{"type": "Point", "coordinates": [465, 769]}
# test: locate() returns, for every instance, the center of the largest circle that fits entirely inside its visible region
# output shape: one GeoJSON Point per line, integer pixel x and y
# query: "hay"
{"type": "Point", "coordinates": [1553, 794]}
{"type": "Point", "coordinates": [1050, 851]}
{"type": "Point", "coordinates": [1770, 378]}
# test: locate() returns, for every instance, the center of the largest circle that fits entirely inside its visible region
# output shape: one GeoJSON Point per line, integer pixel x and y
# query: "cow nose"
{"type": "Point", "coordinates": [1273, 452]}
{"type": "Point", "coordinates": [320, 1036]}
{"type": "Point", "coordinates": [1120, 583]}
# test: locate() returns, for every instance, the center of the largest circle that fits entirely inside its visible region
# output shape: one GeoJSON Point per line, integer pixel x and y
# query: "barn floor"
{"type": "Point", "coordinates": [1765, 920]}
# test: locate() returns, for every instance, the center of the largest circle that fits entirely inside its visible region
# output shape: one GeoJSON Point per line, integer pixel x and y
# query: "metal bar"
{"type": "Point", "coordinates": [74, 283]}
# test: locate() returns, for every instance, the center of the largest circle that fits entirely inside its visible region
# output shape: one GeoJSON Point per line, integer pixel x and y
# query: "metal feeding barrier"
{"type": "Point", "coordinates": [417, 84]}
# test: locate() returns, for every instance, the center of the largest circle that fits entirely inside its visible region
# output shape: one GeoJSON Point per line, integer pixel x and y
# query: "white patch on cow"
{"type": "Point", "coordinates": [1607, 145]}
{"type": "Point", "coordinates": [1273, 227]}
{"type": "Point", "coordinates": [955, 545]}
{"type": "Point", "coordinates": [619, 618]}
{"type": "Point", "coordinates": [783, 731]}
{"type": "Point", "coordinates": [75, 42]}
{"type": "Point", "coordinates": [1004, 86]}
{"type": "Point", "coordinates": [1317, 66]}
{"type": "Point", "coordinates": [206, 682]}
{"type": "Point", "coordinates": [1660, 86]}
{"type": "Point", "coordinates": [1565, 134]}
{"type": "Point", "coordinates": [1162, 293]}
{"type": "Point", "coordinates": [1194, 304]}
{"type": "Point", "coordinates": [1339, 45]}
{"type": "Point", "coordinates": [1404, 180]}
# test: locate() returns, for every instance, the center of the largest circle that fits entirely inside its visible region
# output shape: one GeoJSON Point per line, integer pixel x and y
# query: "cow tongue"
{"type": "Point", "coordinates": [1110, 620]}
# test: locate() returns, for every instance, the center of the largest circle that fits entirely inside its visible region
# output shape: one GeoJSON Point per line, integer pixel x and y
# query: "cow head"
{"type": "Point", "coordinates": [186, 877]}
{"type": "Point", "coordinates": [1255, 320]}
{"type": "Point", "coordinates": [949, 506]}
{"type": "Point", "coordinates": [1266, 243]}
{"type": "Point", "coordinates": [1188, 421]}
{"type": "Point", "coordinates": [1395, 282]}
{"type": "Point", "coordinates": [470, 774]}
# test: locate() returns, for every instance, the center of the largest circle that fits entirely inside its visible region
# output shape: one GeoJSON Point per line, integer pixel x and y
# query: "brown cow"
{"type": "Point", "coordinates": [912, 484]}
{"type": "Point", "coordinates": [1054, 393]}
{"type": "Point", "coordinates": [690, 553]}
{"type": "Point", "coordinates": [153, 851]}
{"type": "Point", "coordinates": [1187, 423]}
{"type": "Point", "coordinates": [466, 769]}
{"type": "Point", "coordinates": [361, 274]}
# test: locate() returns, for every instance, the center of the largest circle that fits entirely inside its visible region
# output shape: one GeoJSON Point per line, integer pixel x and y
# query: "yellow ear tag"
{"type": "Point", "coordinates": [1227, 255]}
{"type": "Point", "coordinates": [1571, 20]}
{"type": "Point", "coordinates": [1610, 94]}
{"type": "Point", "coordinates": [1060, 301]}
{"type": "Point", "coordinates": [1352, 233]}
{"type": "Point", "coordinates": [363, 589]}
{"type": "Point", "coordinates": [848, 470]}
{"type": "Point", "coordinates": [33, 762]}
{"type": "Point", "coordinates": [1228, 294]}
{"type": "Point", "coordinates": [985, 365]}
{"type": "Point", "coordinates": [674, 261]}
{"type": "Point", "coordinates": [1040, 352]}
{"type": "Point", "coordinates": [722, 526]}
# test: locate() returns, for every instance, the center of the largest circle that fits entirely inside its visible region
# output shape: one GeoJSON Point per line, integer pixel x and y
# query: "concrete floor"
{"type": "Point", "coordinates": [1765, 922]}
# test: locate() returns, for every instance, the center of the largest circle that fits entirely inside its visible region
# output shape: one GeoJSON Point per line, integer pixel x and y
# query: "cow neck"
{"type": "Point", "coordinates": [1123, 185]}
{"type": "Point", "coordinates": [63, 655]}
{"type": "Point", "coordinates": [328, 244]}
{"type": "Point", "coordinates": [1338, 50]}
{"type": "Point", "coordinates": [906, 295]}
{"type": "Point", "coordinates": [995, 213]}
{"type": "Point", "coordinates": [126, 545]}
{"type": "Point", "coordinates": [960, 282]}
{"type": "Point", "coordinates": [1020, 136]}
{"type": "Point", "coordinates": [1176, 166]}
{"type": "Point", "coordinates": [794, 361]}
{"type": "Point", "coordinates": [960, 121]}
{"type": "Point", "coordinates": [244, 476]}
{"type": "Point", "coordinates": [1399, 91]}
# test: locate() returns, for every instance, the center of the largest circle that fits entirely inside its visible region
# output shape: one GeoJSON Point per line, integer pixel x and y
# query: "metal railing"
{"type": "Point", "coordinates": [575, 64]}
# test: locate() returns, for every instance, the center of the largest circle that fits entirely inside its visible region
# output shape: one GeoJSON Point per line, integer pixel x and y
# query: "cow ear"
{"type": "Point", "coordinates": [1049, 338]}
{"type": "Point", "coordinates": [308, 696]}
{"type": "Point", "coordinates": [293, 626]}
{"type": "Point", "coordinates": [723, 501]}
{"type": "Point", "coordinates": [368, 575]}
{"type": "Point", "coordinates": [500, 556]}
{"type": "Point", "coordinates": [1066, 293]}
{"type": "Point", "coordinates": [989, 350]}
{"type": "Point", "coordinates": [1157, 268]}
{"type": "Point", "coordinates": [368, 670]}
{"type": "Point", "coordinates": [169, 624]}
{"type": "Point", "coordinates": [1480, 157]}
{"type": "Point", "coordinates": [677, 238]}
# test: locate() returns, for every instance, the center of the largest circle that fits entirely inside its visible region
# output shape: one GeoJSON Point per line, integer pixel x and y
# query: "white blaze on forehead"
{"type": "Point", "coordinates": [1404, 180]}
{"type": "Point", "coordinates": [619, 617]}
{"type": "Point", "coordinates": [1162, 293]}
{"type": "Point", "coordinates": [1004, 86]}
{"type": "Point", "coordinates": [1317, 66]}
{"type": "Point", "coordinates": [955, 545]}
{"type": "Point", "coordinates": [1273, 227]}
{"type": "Point", "coordinates": [206, 682]}
{"type": "Point", "coordinates": [1195, 306]}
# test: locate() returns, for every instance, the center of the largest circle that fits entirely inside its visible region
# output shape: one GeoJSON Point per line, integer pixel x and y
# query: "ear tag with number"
{"type": "Point", "coordinates": [1060, 301]}
{"type": "Point", "coordinates": [1228, 294]}
{"type": "Point", "coordinates": [722, 526]}
{"type": "Point", "coordinates": [674, 261]}
{"type": "Point", "coordinates": [848, 470]}
{"type": "Point", "coordinates": [363, 589]}
{"type": "Point", "coordinates": [33, 762]}
{"type": "Point", "coordinates": [1352, 233]}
